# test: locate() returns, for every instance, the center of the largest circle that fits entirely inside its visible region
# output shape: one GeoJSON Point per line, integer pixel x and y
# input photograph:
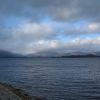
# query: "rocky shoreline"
{"type": "Point", "coordinates": [10, 93]}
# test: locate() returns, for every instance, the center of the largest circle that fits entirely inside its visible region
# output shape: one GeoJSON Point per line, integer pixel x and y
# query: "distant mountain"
{"type": "Point", "coordinates": [7, 54]}
{"type": "Point", "coordinates": [65, 55]}
{"type": "Point", "coordinates": [44, 54]}
{"type": "Point", "coordinates": [81, 54]}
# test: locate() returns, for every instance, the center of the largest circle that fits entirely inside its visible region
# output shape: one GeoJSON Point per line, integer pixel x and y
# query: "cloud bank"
{"type": "Point", "coordinates": [31, 26]}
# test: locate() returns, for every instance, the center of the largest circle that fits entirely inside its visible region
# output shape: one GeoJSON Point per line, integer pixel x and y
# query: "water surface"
{"type": "Point", "coordinates": [54, 78]}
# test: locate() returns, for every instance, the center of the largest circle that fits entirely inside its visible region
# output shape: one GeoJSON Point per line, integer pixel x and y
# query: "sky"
{"type": "Point", "coordinates": [32, 26]}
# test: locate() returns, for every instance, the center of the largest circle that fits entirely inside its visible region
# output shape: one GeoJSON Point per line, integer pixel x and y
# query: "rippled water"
{"type": "Point", "coordinates": [54, 78]}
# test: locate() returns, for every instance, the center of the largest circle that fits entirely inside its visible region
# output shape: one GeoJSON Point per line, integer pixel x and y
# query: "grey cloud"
{"type": "Point", "coordinates": [35, 36]}
{"type": "Point", "coordinates": [21, 37]}
{"type": "Point", "coordinates": [59, 10]}
{"type": "Point", "coordinates": [38, 37]}
{"type": "Point", "coordinates": [76, 44]}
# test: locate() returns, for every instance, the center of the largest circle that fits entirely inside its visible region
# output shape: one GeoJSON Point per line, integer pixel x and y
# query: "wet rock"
{"type": "Point", "coordinates": [40, 98]}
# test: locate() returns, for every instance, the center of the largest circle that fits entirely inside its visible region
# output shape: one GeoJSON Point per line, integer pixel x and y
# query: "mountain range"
{"type": "Point", "coordinates": [8, 54]}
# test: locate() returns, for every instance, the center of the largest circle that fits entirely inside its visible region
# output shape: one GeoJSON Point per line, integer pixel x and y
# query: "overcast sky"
{"type": "Point", "coordinates": [31, 26]}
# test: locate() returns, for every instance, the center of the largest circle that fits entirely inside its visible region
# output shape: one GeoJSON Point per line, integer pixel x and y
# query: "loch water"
{"type": "Point", "coordinates": [54, 78]}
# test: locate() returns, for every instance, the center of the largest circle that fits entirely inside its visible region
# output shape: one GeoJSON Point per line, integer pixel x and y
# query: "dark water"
{"type": "Point", "coordinates": [54, 78]}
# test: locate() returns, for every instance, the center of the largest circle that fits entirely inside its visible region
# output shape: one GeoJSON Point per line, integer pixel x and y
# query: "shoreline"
{"type": "Point", "coordinates": [18, 92]}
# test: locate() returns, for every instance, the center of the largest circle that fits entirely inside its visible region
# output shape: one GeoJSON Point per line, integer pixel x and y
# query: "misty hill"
{"type": "Point", "coordinates": [81, 54]}
{"type": "Point", "coordinates": [65, 55]}
{"type": "Point", "coordinates": [44, 54]}
{"type": "Point", "coordinates": [7, 54]}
